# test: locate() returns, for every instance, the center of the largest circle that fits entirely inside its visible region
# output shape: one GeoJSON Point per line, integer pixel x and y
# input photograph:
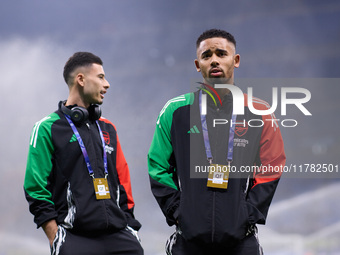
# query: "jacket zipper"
{"type": "Point", "coordinates": [214, 202]}
{"type": "Point", "coordinates": [103, 201]}
{"type": "Point", "coordinates": [213, 218]}
{"type": "Point", "coordinates": [213, 207]}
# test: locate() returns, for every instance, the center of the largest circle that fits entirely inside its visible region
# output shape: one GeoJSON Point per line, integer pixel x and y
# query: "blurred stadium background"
{"type": "Point", "coordinates": [148, 48]}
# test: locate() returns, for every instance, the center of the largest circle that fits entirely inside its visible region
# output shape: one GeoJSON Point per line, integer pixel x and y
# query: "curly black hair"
{"type": "Point", "coordinates": [211, 33]}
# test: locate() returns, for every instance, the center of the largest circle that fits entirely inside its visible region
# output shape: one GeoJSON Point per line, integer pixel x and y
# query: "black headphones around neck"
{"type": "Point", "coordinates": [80, 114]}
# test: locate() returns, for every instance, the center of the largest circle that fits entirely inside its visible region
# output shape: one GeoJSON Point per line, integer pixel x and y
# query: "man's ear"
{"type": "Point", "coordinates": [197, 66]}
{"type": "Point", "coordinates": [237, 60]}
{"type": "Point", "coordinates": [80, 79]}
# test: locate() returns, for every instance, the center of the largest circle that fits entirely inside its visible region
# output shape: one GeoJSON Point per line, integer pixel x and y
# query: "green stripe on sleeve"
{"type": "Point", "coordinates": [39, 164]}
{"type": "Point", "coordinates": [161, 147]}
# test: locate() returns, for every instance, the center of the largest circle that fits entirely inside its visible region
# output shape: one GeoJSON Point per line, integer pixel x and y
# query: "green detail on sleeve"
{"type": "Point", "coordinates": [161, 147]}
{"type": "Point", "coordinates": [39, 164]}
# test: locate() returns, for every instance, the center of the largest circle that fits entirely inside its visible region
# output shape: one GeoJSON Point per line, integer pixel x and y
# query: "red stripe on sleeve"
{"type": "Point", "coordinates": [122, 169]}
{"type": "Point", "coordinates": [272, 155]}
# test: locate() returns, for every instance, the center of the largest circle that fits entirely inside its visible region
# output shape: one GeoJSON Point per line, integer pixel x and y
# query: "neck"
{"type": "Point", "coordinates": [76, 97]}
{"type": "Point", "coordinates": [222, 91]}
{"type": "Point", "coordinates": [76, 101]}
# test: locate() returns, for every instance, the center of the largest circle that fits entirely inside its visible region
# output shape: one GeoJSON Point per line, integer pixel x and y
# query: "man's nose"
{"type": "Point", "coordinates": [107, 85]}
{"type": "Point", "coordinates": [214, 61]}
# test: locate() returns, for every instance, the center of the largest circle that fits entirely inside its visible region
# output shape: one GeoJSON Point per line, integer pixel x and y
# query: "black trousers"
{"type": "Point", "coordinates": [177, 245]}
{"type": "Point", "coordinates": [123, 242]}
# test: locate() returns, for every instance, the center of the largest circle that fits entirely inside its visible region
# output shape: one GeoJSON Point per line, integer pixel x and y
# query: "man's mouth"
{"type": "Point", "coordinates": [216, 72]}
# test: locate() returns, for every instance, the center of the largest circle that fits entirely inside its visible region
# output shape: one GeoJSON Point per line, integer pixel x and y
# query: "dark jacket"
{"type": "Point", "coordinates": [207, 214]}
{"type": "Point", "coordinates": [57, 182]}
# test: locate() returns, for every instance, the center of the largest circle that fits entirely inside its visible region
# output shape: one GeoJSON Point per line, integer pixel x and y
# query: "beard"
{"type": "Point", "coordinates": [220, 80]}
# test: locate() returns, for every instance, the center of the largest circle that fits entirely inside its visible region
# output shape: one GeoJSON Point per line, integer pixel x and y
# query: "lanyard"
{"type": "Point", "coordinates": [83, 149]}
{"type": "Point", "coordinates": [206, 135]}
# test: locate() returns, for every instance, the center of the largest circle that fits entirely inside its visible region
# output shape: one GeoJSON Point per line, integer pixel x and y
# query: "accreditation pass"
{"type": "Point", "coordinates": [101, 188]}
{"type": "Point", "coordinates": [216, 178]}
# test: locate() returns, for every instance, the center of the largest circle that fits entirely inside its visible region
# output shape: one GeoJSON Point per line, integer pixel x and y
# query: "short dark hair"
{"type": "Point", "coordinates": [211, 33]}
{"type": "Point", "coordinates": [79, 59]}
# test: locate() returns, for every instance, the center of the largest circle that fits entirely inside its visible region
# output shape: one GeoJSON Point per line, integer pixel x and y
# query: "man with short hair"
{"type": "Point", "coordinates": [77, 180]}
{"type": "Point", "coordinates": [216, 212]}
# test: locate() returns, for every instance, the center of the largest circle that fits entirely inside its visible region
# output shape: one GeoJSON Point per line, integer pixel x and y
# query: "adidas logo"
{"type": "Point", "coordinates": [73, 138]}
{"type": "Point", "coordinates": [193, 130]}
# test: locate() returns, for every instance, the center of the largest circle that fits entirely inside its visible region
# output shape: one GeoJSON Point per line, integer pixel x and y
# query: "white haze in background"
{"type": "Point", "coordinates": [31, 86]}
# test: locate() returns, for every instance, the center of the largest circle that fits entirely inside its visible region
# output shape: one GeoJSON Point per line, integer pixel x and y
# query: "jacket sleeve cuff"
{"type": "Point", "coordinates": [135, 224]}
{"type": "Point", "coordinates": [41, 219]}
{"type": "Point", "coordinates": [172, 215]}
{"type": "Point", "coordinates": [254, 215]}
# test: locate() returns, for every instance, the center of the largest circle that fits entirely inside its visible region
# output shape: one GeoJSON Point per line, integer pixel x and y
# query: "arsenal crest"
{"type": "Point", "coordinates": [241, 128]}
{"type": "Point", "coordinates": [106, 137]}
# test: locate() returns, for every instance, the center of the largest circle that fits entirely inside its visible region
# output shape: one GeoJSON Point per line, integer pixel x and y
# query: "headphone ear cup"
{"type": "Point", "coordinates": [79, 114]}
{"type": "Point", "coordinates": [64, 109]}
{"type": "Point", "coordinates": [95, 112]}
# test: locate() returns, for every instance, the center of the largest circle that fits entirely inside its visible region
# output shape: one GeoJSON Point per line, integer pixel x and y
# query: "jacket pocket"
{"type": "Point", "coordinates": [58, 241]}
